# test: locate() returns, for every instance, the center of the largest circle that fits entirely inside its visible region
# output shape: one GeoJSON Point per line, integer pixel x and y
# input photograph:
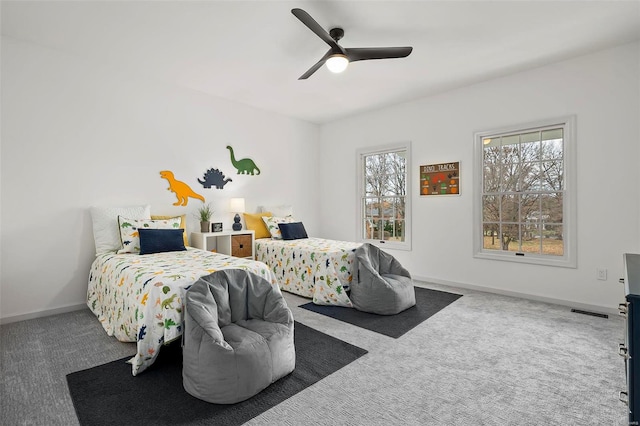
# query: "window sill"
{"type": "Point", "coordinates": [391, 245]}
{"type": "Point", "coordinates": [562, 262]}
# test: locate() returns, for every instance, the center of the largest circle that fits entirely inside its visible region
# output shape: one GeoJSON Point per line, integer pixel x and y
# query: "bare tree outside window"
{"type": "Point", "coordinates": [384, 198]}
{"type": "Point", "coordinates": [523, 192]}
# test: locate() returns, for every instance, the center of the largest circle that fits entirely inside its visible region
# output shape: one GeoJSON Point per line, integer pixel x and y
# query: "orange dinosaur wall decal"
{"type": "Point", "coordinates": [182, 190]}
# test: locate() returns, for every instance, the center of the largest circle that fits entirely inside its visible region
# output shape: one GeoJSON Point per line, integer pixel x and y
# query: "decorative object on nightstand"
{"type": "Point", "coordinates": [216, 227]}
{"type": "Point", "coordinates": [204, 214]}
{"type": "Point", "coordinates": [237, 206]}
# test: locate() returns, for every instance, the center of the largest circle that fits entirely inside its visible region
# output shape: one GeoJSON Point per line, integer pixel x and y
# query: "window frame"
{"type": "Point", "coordinates": [361, 188]}
{"type": "Point", "coordinates": [569, 219]}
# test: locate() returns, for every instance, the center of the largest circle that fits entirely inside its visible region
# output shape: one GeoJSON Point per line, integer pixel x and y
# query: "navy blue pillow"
{"type": "Point", "coordinates": [161, 240]}
{"type": "Point", "coordinates": [292, 231]}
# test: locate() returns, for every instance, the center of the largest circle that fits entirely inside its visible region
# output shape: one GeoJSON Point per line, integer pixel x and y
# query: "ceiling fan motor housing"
{"type": "Point", "coordinates": [336, 33]}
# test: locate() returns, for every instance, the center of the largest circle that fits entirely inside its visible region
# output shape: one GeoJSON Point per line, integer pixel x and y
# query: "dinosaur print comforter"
{"type": "Point", "coordinates": [311, 267]}
{"type": "Point", "coordinates": [140, 298]}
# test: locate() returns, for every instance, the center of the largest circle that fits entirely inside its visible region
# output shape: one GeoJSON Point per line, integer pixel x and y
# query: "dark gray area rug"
{"type": "Point", "coordinates": [109, 395]}
{"type": "Point", "coordinates": [428, 303]}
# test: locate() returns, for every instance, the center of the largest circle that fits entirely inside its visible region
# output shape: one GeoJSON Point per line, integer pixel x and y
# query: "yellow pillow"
{"type": "Point", "coordinates": [254, 222]}
{"type": "Point", "coordinates": [183, 224]}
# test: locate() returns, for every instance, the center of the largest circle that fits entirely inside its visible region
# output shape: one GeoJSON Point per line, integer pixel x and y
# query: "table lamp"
{"type": "Point", "coordinates": [237, 206]}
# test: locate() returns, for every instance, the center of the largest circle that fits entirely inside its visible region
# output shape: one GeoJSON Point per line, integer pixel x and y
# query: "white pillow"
{"type": "Point", "coordinates": [272, 225]}
{"type": "Point", "coordinates": [129, 235]}
{"type": "Point", "coordinates": [279, 211]}
{"type": "Point", "coordinates": [105, 225]}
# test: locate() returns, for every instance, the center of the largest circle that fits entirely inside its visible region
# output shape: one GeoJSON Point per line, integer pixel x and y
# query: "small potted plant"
{"type": "Point", "coordinates": [205, 212]}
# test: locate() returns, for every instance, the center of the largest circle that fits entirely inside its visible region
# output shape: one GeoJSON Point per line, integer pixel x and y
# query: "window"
{"type": "Point", "coordinates": [525, 200]}
{"type": "Point", "coordinates": [384, 207]}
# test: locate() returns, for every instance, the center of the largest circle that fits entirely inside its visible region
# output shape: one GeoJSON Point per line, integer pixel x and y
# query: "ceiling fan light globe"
{"type": "Point", "coordinates": [337, 63]}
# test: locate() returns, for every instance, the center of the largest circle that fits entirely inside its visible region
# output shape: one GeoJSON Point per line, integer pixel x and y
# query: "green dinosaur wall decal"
{"type": "Point", "coordinates": [244, 165]}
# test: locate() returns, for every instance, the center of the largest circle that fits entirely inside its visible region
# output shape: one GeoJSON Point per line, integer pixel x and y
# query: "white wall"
{"type": "Point", "coordinates": [76, 134]}
{"type": "Point", "coordinates": [601, 89]}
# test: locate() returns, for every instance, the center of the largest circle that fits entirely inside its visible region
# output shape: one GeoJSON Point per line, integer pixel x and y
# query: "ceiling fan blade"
{"type": "Point", "coordinates": [365, 53]}
{"type": "Point", "coordinates": [306, 19]}
{"type": "Point", "coordinates": [315, 67]}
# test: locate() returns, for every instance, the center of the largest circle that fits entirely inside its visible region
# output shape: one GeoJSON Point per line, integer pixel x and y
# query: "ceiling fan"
{"type": "Point", "coordinates": [338, 57]}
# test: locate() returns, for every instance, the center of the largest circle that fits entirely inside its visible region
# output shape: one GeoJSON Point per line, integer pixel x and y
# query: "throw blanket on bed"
{"type": "Point", "coordinates": [311, 267]}
{"type": "Point", "coordinates": [140, 298]}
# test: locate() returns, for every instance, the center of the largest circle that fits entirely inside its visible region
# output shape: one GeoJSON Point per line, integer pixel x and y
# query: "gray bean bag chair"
{"type": "Point", "coordinates": [382, 286]}
{"type": "Point", "coordinates": [238, 337]}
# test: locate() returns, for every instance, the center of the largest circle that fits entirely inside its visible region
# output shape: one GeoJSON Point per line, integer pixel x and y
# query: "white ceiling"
{"type": "Point", "coordinates": [253, 52]}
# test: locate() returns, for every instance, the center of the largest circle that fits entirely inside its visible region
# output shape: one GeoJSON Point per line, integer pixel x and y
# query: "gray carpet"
{"type": "Point", "coordinates": [485, 360]}
{"type": "Point", "coordinates": [108, 394]}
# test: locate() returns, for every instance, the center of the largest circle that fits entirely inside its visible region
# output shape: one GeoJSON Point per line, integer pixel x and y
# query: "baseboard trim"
{"type": "Point", "coordinates": [569, 303]}
{"type": "Point", "coordinates": [562, 302]}
{"type": "Point", "coordinates": [45, 313]}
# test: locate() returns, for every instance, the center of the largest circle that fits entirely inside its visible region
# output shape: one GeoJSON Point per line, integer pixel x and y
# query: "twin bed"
{"type": "Point", "coordinates": [311, 267]}
{"type": "Point", "coordinates": [139, 298]}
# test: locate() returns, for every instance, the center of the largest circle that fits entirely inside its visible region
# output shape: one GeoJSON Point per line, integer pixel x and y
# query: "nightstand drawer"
{"type": "Point", "coordinates": [241, 246]}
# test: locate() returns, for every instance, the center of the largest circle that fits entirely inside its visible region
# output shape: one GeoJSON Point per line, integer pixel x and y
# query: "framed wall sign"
{"type": "Point", "coordinates": [440, 179]}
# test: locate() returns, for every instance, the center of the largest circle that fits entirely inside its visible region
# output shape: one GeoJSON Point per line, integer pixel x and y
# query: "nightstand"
{"type": "Point", "coordinates": [232, 243]}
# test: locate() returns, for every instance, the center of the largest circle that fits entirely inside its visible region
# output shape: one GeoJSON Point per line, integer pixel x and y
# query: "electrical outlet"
{"type": "Point", "coordinates": [601, 274]}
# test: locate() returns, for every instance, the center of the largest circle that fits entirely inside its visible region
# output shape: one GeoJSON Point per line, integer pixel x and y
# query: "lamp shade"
{"type": "Point", "coordinates": [337, 63]}
{"type": "Point", "coordinates": [237, 205]}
